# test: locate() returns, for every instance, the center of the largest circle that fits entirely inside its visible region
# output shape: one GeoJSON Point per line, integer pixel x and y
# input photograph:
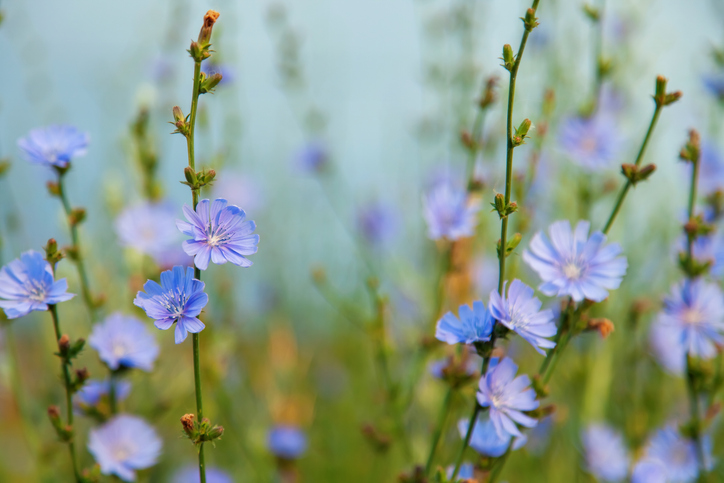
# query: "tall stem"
{"type": "Point", "coordinates": [504, 222]}
{"type": "Point", "coordinates": [197, 272]}
{"type": "Point", "coordinates": [78, 259]}
{"type": "Point", "coordinates": [639, 158]}
{"type": "Point", "coordinates": [442, 417]}
{"type": "Point", "coordinates": [112, 392]}
{"type": "Point", "coordinates": [68, 391]}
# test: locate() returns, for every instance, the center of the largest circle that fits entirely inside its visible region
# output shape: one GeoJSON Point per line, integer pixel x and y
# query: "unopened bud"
{"type": "Point", "coordinates": [190, 176]}
{"type": "Point", "coordinates": [53, 188]}
{"type": "Point", "coordinates": [76, 216]}
{"type": "Point", "coordinates": [178, 114]}
{"type": "Point", "coordinates": [209, 21]}
{"type": "Point", "coordinates": [530, 21]}
{"type": "Point", "coordinates": [64, 344]}
{"type": "Point", "coordinates": [508, 57]}
{"type": "Point", "coordinates": [187, 421]}
{"type": "Point", "coordinates": [214, 433]}
{"type": "Point", "coordinates": [208, 83]}
{"type": "Point", "coordinates": [602, 325]}
{"type": "Point", "coordinates": [467, 139]}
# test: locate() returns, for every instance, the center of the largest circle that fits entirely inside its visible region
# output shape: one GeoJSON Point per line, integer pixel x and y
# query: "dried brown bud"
{"type": "Point", "coordinates": [209, 21]}
{"type": "Point", "coordinates": [603, 326]}
{"type": "Point", "coordinates": [64, 343]}
{"type": "Point", "coordinates": [187, 421]}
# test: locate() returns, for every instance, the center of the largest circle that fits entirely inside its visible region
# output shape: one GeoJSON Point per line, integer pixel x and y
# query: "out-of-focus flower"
{"type": "Point", "coordinates": [228, 75]}
{"type": "Point", "coordinates": [474, 325]}
{"type": "Point", "coordinates": [219, 233]}
{"type": "Point", "coordinates": [27, 284]}
{"type": "Point", "coordinates": [239, 189]}
{"type": "Point", "coordinates": [706, 249]}
{"type": "Point", "coordinates": [190, 474]}
{"type": "Point", "coordinates": [676, 453]}
{"type": "Point", "coordinates": [449, 213]}
{"type": "Point", "coordinates": [467, 470]}
{"type": "Point", "coordinates": [54, 146]}
{"type": "Point", "coordinates": [649, 471]}
{"type": "Point", "coordinates": [122, 341]}
{"type": "Point", "coordinates": [124, 444]}
{"type": "Point", "coordinates": [148, 228]}
{"type": "Point", "coordinates": [591, 142]}
{"type": "Point", "coordinates": [377, 223]}
{"type": "Point", "coordinates": [520, 312]}
{"type": "Point", "coordinates": [179, 298]}
{"type": "Point", "coordinates": [92, 392]}
{"type": "Point", "coordinates": [311, 158]}
{"type": "Point", "coordinates": [437, 368]}
{"type": "Point", "coordinates": [485, 438]}
{"type": "Point", "coordinates": [714, 83]}
{"type": "Point", "coordinates": [571, 263]}
{"type": "Point", "coordinates": [506, 396]}
{"type": "Point", "coordinates": [695, 309]}
{"type": "Point", "coordinates": [606, 455]}
{"type": "Point", "coordinates": [485, 274]}
{"type": "Point", "coordinates": [711, 169]}
{"type": "Point", "coordinates": [665, 342]}
{"type": "Point", "coordinates": [287, 442]}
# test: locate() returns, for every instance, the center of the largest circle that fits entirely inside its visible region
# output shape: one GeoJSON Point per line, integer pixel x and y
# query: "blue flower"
{"type": "Point", "coordinates": [649, 471]}
{"type": "Point", "coordinates": [591, 142]}
{"type": "Point", "coordinates": [190, 474]}
{"type": "Point", "coordinates": [287, 442]}
{"type": "Point", "coordinates": [694, 310]}
{"type": "Point", "coordinates": [240, 190]}
{"type": "Point", "coordinates": [711, 169]}
{"type": "Point", "coordinates": [54, 146]}
{"type": "Point", "coordinates": [506, 396]}
{"type": "Point", "coordinates": [219, 233]}
{"type": "Point", "coordinates": [571, 263]}
{"type": "Point", "coordinates": [227, 73]}
{"type": "Point", "coordinates": [486, 440]}
{"type": "Point", "coordinates": [123, 341]}
{"type": "Point", "coordinates": [715, 85]}
{"type": "Point", "coordinates": [377, 223]}
{"type": "Point", "coordinates": [123, 444]}
{"type": "Point", "coordinates": [520, 312]}
{"type": "Point", "coordinates": [665, 342]}
{"type": "Point", "coordinates": [606, 455]}
{"type": "Point", "coordinates": [676, 453]}
{"type": "Point", "coordinates": [27, 284]}
{"type": "Point", "coordinates": [469, 366]}
{"type": "Point", "coordinates": [474, 325]}
{"type": "Point", "coordinates": [311, 158]}
{"type": "Point", "coordinates": [467, 470]}
{"type": "Point", "coordinates": [706, 249]}
{"type": "Point", "coordinates": [179, 298]}
{"type": "Point", "coordinates": [148, 228]}
{"type": "Point", "coordinates": [449, 213]}
{"type": "Point", "coordinates": [94, 390]}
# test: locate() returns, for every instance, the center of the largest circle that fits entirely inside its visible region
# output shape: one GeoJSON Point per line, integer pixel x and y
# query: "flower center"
{"type": "Point", "coordinates": [119, 349]}
{"type": "Point", "coordinates": [36, 291]}
{"type": "Point", "coordinates": [216, 235]}
{"type": "Point", "coordinates": [589, 144]}
{"type": "Point", "coordinates": [122, 452]}
{"type": "Point", "coordinates": [175, 302]}
{"type": "Point", "coordinates": [572, 271]}
{"type": "Point", "coordinates": [692, 316]}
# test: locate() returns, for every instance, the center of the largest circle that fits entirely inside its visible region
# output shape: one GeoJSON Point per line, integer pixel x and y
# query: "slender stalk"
{"type": "Point", "coordinates": [437, 433]}
{"type": "Point", "coordinates": [639, 158]}
{"type": "Point", "coordinates": [68, 392]}
{"type": "Point", "coordinates": [501, 463]}
{"type": "Point", "coordinates": [112, 396]}
{"type": "Point", "coordinates": [598, 55]}
{"type": "Point", "coordinates": [504, 222]}
{"type": "Point", "coordinates": [78, 259]}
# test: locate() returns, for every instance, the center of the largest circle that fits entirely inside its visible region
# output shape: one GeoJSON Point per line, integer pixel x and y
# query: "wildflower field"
{"type": "Point", "coordinates": [317, 241]}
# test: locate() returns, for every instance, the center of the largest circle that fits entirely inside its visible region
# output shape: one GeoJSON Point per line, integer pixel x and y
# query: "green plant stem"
{"type": "Point", "coordinates": [439, 427]}
{"type": "Point", "coordinates": [598, 55]}
{"type": "Point", "coordinates": [639, 158]}
{"type": "Point", "coordinates": [78, 259]}
{"type": "Point", "coordinates": [112, 396]}
{"type": "Point", "coordinates": [503, 225]}
{"type": "Point", "coordinates": [197, 272]}
{"type": "Point", "coordinates": [68, 391]}
{"type": "Point", "coordinates": [501, 462]}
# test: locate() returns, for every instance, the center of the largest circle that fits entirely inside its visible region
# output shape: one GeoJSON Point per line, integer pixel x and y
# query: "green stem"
{"type": "Point", "coordinates": [639, 158]}
{"type": "Point", "coordinates": [696, 422]}
{"type": "Point", "coordinates": [504, 222]}
{"type": "Point", "coordinates": [68, 390]}
{"type": "Point", "coordinates": [192, 117]}
{"type": "Point", "coordinates": [598, 55]}
{"type": "Point", "coordinates": [501, 463]}
{"type": "Point", "coordinates": [78, 259]}
{"type": "Point", "coordinates": [112, 392]}
{"type": "Point", "coordinates": [199, 403]}
{"type": "Point", "coordinates": [442, 417]}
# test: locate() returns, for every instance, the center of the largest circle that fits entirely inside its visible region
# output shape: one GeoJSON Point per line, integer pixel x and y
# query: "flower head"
{"type": "Point", "coordinates": [485, 438]}
{"type": "Point", "coordinates": [179, 298]}
{"type": "Point", "coordinates": [287, 442]}
{"type": "Point", "coordinates": [715, 85]}
{"type": "Point", "coordinates": [466, 471]}
{"type": "Point", "coordinates": [54, 145]}
{"type": "Point", "coordinates": [520, 311]}
{"type": "Point", "coordinates": [311, 158]}
{"type": "Point", "coordinates": [239, 189]}
{"type": "Point", "coordinates": [190, 474]}
{"type": "Point", "coordinates": [676, 453]}
{"type": "Point", "coordinates": [711, 169]}
{"type": "Point", "coordinates": [123, 341]}
{"type": "Point", "coordinates": [218, 233]}
{"type": "Point", "coordinates": [649, 470]}
{"type": "Point", "coordinates": [148, 228]}
{"type": "Point", "coordinates": [27, 284]}
{"type": "Point", "coordinates": [377, 223]}
{"type": "Point", "coordinates": [571, 263]}
{"type": "Point", "coordinates": [606, 456]}
{"type": "Point", "coordinates": [124, 444]}
{"type": "Point", "coordinates": [591, 142]}
{"type": "Point", "coordinates": [94, 390]}
{"type": "Point", "coordinates": [695, 309]}
{"type": "Point", "coordinates": [449, 213]}
{"type": "Point", "coordinates": [506, 396]}
{"type": "Point", "coordinates": [665, 343]}
{"type": "Point", "coordinates": [474, 325]}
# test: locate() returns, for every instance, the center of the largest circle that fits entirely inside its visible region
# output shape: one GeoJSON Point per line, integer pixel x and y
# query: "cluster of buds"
{"type": "Point", "coordinates": [502, 208]}
{"type": "Point", "coordinates": [379, 441]}
{"type": "Point", "coordinates": [488, 96]}
{"type": "Point", "coordinates": [201, 49]}
{"type": "Point", "coordinates": [198, 179]}
{"type": "Point", "coordinates": [68, 350]}
{"type": "Point", "coordinates": [64, 431]}
{"type": "Point", "coordinates": [663, 98]}
{"type": "Point", "coordinates": [200, 432]}
{"type": "Point", "coordinates": [530, 21]}
{"type": "Point", "coordinates": [695, 228]}
{"type": "Point", "coordinates": [52, 254]}
{"type": "Point", "coordinates": [691, 152]}
{"type": "Point", "coordinates": [635, 173]}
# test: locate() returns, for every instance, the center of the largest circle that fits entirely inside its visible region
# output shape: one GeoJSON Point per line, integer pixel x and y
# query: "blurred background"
{"type": "Point", "coordinates": [378, 92]}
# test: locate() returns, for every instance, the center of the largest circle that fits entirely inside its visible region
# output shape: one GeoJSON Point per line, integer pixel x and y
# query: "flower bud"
{"type": "Point", "coordinates": [190, 176]}
{"type": "Point", "coordinates": [209, 21]}
{"type": "Point", "coordinates": [692, 149]}
{"type": "Point", "coordinates": [64, 344]}
{"type": "Point", "coordinates": [208, 83]}
{"type": "Point", "coordinates": [602, 325]}
{"type": "Point", "coordinates": [76, 216]}
{"type": "Point", "coordinates": [508, 57]}
{"type": "Point", "coordinates": [467, 139]}
{"type": "Point", "coordinates": [53, 188]}
{"type": "Point", "coordinates": [214, 433]}
{"type": "Point", "coordinates": [178, 114]}
{"type": "Point", "coordinates": [187, 422]}
{"type": "Point", "coordinates": [530, 21]}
